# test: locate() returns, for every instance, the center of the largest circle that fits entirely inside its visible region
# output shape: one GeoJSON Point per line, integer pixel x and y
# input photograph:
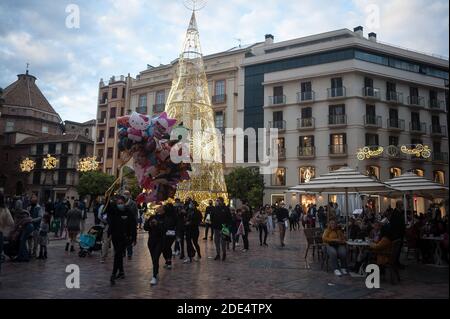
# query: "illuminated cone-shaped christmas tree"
{"type": "Point", "coordinates": [189, 101]}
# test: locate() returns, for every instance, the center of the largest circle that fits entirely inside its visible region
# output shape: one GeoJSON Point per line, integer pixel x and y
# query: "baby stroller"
{"type": "Point", "coordinates": [92, 241]}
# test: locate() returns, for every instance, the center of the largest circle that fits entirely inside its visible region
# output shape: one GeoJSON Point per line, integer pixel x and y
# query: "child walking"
{"type": "Point", "coordinates": [43, 236]}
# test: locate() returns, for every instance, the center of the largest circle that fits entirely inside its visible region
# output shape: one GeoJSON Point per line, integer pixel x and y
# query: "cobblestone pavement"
{"type": "Point", "coordinates": [262, 272]}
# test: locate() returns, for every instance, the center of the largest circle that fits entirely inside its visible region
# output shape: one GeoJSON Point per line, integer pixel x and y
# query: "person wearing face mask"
{"type": "Point", "coordinates": [36, 213]}
{"type": "Point", "coordinates": [122, 229]}
{"type": "Point", "coordinates": [132, 206]}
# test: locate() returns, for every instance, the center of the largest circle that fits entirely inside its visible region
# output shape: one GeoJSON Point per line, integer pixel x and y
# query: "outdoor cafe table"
{"type": "Point", "coordinates": [437, 248]}
{"type": "Point", "coordinates": [360, 245]}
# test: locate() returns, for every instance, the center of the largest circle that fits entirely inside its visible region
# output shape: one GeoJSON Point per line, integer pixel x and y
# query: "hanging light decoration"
{"type": "Point", "coordinates": [27, 165]}
{"type": "Point", "coordinates": [368, 152]}
{"type": "Point", "coordinates": [418, 150]}
{"type": "Point", "coordinates": [87, 164]}
{"type": "Point", "coordinates": [50, 162]}
{"type": "Point", "coordinates": [308, 175]}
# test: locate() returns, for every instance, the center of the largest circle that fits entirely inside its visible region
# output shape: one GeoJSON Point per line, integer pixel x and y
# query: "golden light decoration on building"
{"type": "Point", "coordinates": [308, 175]}
{"type": "Point", "coordinates": [368, 152]}
{"type": "Point", "coordinates": [50, 162]}
{"type": "Point", "coordinates": [87, 164]}
{"type": "Point", "coordinates": [418, 150]}
{"type": "Point", "coordinates": [27, 165]}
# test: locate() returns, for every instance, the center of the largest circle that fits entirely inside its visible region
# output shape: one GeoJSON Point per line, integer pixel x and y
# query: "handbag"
{"type": "Point", "coordinates": [225, 231]}
{"type": "Point", "coordinates": [170, 233]}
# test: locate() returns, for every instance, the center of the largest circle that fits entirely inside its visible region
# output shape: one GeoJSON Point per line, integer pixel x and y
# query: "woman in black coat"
{"type": "Point", "coordinates": [193, 220]}
{"type": "Point", "coordinates": [155, 226]}
{"type": "Point", "coordinates": [122, 229]}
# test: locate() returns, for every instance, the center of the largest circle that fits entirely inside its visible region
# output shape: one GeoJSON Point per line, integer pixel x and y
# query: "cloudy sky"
{"type": "Point", "coordinates": [122, 36]}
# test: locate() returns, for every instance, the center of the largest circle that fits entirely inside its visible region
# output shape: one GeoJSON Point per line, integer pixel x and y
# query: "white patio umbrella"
{"type": "Point", "coordinates": [346, 180]}
{"type": "Point", "coordinates": [410, 183]}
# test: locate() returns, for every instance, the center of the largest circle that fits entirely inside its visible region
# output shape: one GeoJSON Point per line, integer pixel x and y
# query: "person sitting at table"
{"type": "Point", "coordinates": [334, 239]}
{"type": "Point", "coordinates": [374, 234]}
{"type": "Point", "coordinates": [382, 249]}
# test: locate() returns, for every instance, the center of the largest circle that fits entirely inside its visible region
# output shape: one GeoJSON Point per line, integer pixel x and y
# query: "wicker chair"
{"type": "Point", "coordinates": [314, 241]}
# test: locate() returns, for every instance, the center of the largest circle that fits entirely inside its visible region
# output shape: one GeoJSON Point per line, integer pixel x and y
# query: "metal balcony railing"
{"type": "Point", "coordinates": [277, 100]}
{"type": "Point", "coordinates": [337, 119]}
{"type": "Point", "coordinates": [306, 151]}
{"type": "Point", "coordinates": [338, 149]}
{"type": "Point", "coordinates": [396, 124]}
{"type": "Point", "coordinates": [438, 130]}
{"type": "Point", "coordinates": [305, 123]}
{"type": "Point", "coordinates": [158, 108]}
{"type": "Point", "coordinates": [306, 96]}
{"type": "Point", "coordinates": [371, 92]}
{"type": "Point", "coordinates": [141, 109]}
{"type": "Point", "coordinates": [336, 92]}
{"type": "Point", "coordinates": [372, 120]}
{"type": "Point", "coordinates": [436, 105]}
{"type": "Point", "coordinates": [416, 101]}
{"type": "Point", "coordinates": [440, 157]}
{"type": "Point", "coordinates": [219, 99]}
{"type": "Point", "coordinates": [280, 125]}
{"type": "Point", "coordinates": [394, 97]}
{"type": "Point", "coordinates": [416, 127]}
{"type": "Point", "coordinates": [281, 152]}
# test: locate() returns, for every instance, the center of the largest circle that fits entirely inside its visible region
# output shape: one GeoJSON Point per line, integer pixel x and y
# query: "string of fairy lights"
{"type": "Point", "coordinates": [85, 164]}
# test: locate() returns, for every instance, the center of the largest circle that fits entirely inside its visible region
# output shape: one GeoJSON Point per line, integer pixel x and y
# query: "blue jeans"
{"type": "Point", "coordinates": [335, 253]}
{"type": "Point", "coordinates": [24, 254]}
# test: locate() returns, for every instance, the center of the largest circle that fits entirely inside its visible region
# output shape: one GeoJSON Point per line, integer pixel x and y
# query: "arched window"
{"type": "Point", "coordinates": [305, 173]}
{"type": "Point", "coordinates": [439, 177]}
{"type": "Point", "coordinates": [418, 171]}
{"type": "Point", "coordinates": [279, 178]}
{"type": "Point", "coordinates": [373, 171]}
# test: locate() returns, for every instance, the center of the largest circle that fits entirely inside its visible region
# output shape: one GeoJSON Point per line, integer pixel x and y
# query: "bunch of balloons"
{"type": "Point", "coordinates": [148, 141]}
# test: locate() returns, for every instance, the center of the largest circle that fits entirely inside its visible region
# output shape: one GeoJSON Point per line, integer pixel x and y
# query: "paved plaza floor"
{"type": "Point", "coordinates": [261, 272]}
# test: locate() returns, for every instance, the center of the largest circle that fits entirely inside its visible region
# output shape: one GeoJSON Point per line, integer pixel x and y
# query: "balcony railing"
{"type": "Point", "coordinates": [418, 128]}
{"type": "Point", "coordinates": [100, 160]}
{"type": "Point", "coordinates": [100, 140]}
{"type": "Point", "coordinates": [277, 100]}
{"type": "Point", "coordinates": [103, 101]}
{"type": "Point", "coordinates": [281, 152]}
{"type": "Point", "coordinates": [158, 108]}
{"type": "Point", "coordinates": [336, 92]}
{"type": "Point", "coordinates": [280, 125]}
{"type": "Point", "coordinates": [219, 99]}
{"type": "Point", "coordinates": [337, 119]}
{"type": "Point", "coordinates": [417, 101]}
{"type": "Point", "coordinates": [141, 109]}
{"type": "Point", "coordinates": [305, 123]}
{"type": "Point", "coordinates": [371, 92]}
{"type": "Point", "coordinates": [440, 157]}
{"type": "Point", "coordinates": [306, 96]}
{"type": "Point", "coordinates": [394, 97]}
{"type": "Point", "coordinates": [306, 151]}
{"type": "Point", "coordinates": [437, 105]}
{"type": "Point", "coordinates": [101, 121]}
{"type": "Point", "coordinates": [372, 120]}
{"type": "Point", "coordinates": [396, 124]}
{"type": "Point", "coordinates": [438, 130]}
{"type": "Point", "coordinates": [338, 149]}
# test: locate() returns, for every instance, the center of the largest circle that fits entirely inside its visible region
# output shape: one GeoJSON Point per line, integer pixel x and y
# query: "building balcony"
{"type": "Point", "coordinates": [441, 157]}
{"type": "Point", "coordinates": [100, 160]}
{"type": "Point", "coordinates": [417, 128]}
{"type": "Point", "coordinates": [101, 121]}
{"type": "Point", "coordinates": [101, 140]}
{"type": "Point", "coordinates": [277, 100]}
{"type": "Point", "coordinates": [436, 105]}
{"type": "Point", "coordinates": [395, 124]}
{"type": "Point", "coordinates": [307, 123]}
{"type": "Point", "coordinates": [394, 97]}
{"type": "Point", "coordinates": [337, 120]}
{"type": "Point", "coordinates": [438, 130]}
{"type": "Point", "coordinates": [102, 102]}
{"type": "Point", "coordinates": [281, 153]}
{"type": "Point", "coordinates": [339, 92]}
{"type": "Point", "coordinates": [158, 108]}
{"type": "Point", "coordinates": [305, 97]}
{"type": "Point", "coordinates": [337, 150]}
{"type": "Point", "coordinates": [371, 93]}
{"type": "Point", "coordinates": [280, 125]}
{"type": "Point", "coordinates": [416, 101]}
{"type": "Point", "coordinates": [306, 152]}
{"type": "Point", "coordinates": [372, 121]}
{"type": "Point", "coordinates": [141, 109]}
{"type": "Point", "coordinates": [219, 99]}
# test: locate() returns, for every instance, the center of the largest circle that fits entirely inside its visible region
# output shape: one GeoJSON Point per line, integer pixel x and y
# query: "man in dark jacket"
{"type": "Point", "coordinates": [122, 229]}
{"type": "Point", "coordinates": [397, 226]}
{"type": "Point", "coordinates": [132, 206]}
{"type": "Point", "coordinates": [169, 233]}
{"type": "Point", "coordinates": [221, 217]}
{"type": "Point", "coordinates": [282, 216]}
{"type": "Point", "coordinates": [207, 220]}
{"type": "Point", "coordinates": [61, 209]}
{"type": "Point", "coordinates": [193, 220]}
{"type": "Point", "coordinates": [181, 216]}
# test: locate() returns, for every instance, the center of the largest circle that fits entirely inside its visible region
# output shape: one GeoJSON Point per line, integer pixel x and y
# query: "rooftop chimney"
{"type": "Point", "coordinates": [359, 31]}
{"type": "Point", "coordinates": [373, 36]}
{"type": "Point", "coordinates": [269, 39]}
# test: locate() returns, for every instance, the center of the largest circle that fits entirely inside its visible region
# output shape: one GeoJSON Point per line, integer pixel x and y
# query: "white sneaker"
{"type": "Point", "coordinates": [337, 272]}
{"type": "Point", "coordinates": [344, 271]}
{"type": "Point", "coordinates": [168, 266]}
{"type": "Point", "coordinates": [187, 261]}
{"type": "Point", "coordinates": [244, 250]}
{"type": "Point", "coordinates": [154, 281]}
{"type": "Point", "coordinates": [237, 244]}
{"type": "Point", "coordinates": [196, 258]}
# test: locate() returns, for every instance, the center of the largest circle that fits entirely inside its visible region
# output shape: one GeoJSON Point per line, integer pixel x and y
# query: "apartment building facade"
{"type": "Point", "coordinates": [329, 95]}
